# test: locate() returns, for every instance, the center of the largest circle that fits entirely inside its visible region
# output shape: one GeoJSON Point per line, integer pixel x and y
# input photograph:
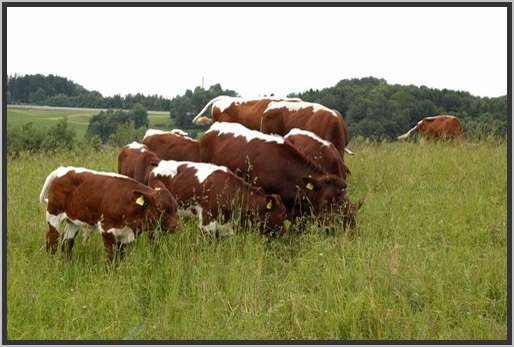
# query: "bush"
{"type": "Point", "coordinates": [106, 123]}
{"type": "Point", "coordinates": [31, 139]}
{"type": "Point", "coordinates": [126, 133]}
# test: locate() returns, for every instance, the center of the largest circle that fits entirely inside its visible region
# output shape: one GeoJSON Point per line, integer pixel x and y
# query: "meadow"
{"type": "Point", "coordinates": [428, 260]}
{"type": "Point", "coordinates": [77, 119]}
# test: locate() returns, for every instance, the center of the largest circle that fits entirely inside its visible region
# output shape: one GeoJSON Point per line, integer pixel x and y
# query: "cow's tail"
{"type": "Point", "coordinates": [43, 196]}
{"type": "Point", "coordinates": [404, 136]}
{"type": "Point", "coordinates": [199, 120]}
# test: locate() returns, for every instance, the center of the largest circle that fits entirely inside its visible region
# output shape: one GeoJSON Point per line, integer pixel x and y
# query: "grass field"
{"type": "Point", "coordinates": [427, 261]}
{"type": "Point", "coordinates": [78, 120]}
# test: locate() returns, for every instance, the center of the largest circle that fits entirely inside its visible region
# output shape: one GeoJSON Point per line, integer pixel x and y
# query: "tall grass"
{"type": "Point", "coordinates": [427, 261]}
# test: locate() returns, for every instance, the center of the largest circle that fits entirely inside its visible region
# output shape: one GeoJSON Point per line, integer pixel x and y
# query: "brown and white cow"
{"type": "Point", "coordinates": [276, 166]}
{"type": "Point", "coordinates": [136, 161]}
{"type": "Point", "coordinates": [214, 193]}
{"type": "Point", "coordinates": [437, 127]}
{"type": "Point", "coordinates": [172, 145]}
{"type": "Point", "coordinates": [279, 116]}
{"type": "Point", "coordinates": [320, 151]}
{"type": "Point", "coordinates": [117, 205]}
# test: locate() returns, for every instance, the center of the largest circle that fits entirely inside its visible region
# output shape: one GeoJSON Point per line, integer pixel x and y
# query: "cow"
{"type": "Point", "coordinates": [279, 116]}
{"type": "Point", "coordinates": [172, 145]}
{"type": "Point", "coordinates": [117, 205]}
{"type": "Point", "coordinates": [214, 193]}
{"type": "Point", "coordinates": [320, 151]}
{"type": "Point", "coordinates": [136, 161]}
{"type": "Point", "coordinates": [275, 165]}
{"type": "Point", "coordinates": [437, 127]}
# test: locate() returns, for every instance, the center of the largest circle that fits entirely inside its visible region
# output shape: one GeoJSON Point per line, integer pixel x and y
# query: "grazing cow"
{"type": "Point", "coordinates": [215, 193]}
{"type": "Point", "coordinates": [322, 152]}
{"type": "Point", "coordinates": [118, 205]}
{"type": "Point", "coordinates": [136, 161]}
{"type": "Point", "coordinates": [437, 127]}
{"type": "Point", "coordinates": [276, 166]}
{"type": "Point", "coordinates": [279, 116]}
{"type": "Point", "coordinates": [172, 145]}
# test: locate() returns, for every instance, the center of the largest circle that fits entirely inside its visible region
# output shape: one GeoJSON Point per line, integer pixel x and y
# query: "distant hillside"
{"type": "Point", "coordinates": [371, 106]}
{"type": "Point", "coordinates": [59, 91]}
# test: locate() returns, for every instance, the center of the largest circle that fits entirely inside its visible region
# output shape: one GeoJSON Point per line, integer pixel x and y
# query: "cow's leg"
{"type": "Point", "coordinates": [70, 230]}
{"type": "Point", "coordinates": [52, 239]}
{"type": "Point", "coordinates": [54, 230]}
{"type": "Point", "coordinates": [115, 238]}
{"type": "Point", "coordinates": [109, 244]}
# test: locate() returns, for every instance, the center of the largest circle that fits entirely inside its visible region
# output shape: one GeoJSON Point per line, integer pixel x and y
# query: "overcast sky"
{"type": "Point", "coordinates": [258, 51]}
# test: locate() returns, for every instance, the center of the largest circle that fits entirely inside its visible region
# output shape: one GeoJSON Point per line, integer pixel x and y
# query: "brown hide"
{"type": "Point", "coordinates": [276, 167]}
{"type": "Point", "coordinates": [137, 162]}
{"type": "Point", "coordinates": [173, 146]}
{"type": "Point", "coordinates": [442, 127]}
{"type": "Point", "coordinates": [253, 115]}
{"type": "Point", "coordinates": [99, 199]}
{"type": "Point", "coordinates": [325, 156]}
{"type": "Point", "coordinates": [221, 194]}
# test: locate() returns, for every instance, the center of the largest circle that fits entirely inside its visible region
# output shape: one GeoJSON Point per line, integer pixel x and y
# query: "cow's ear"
{"type": "Point", "coordinates": [141, 198]}
{"type": "Point", "coordinates": [157, 185]}
{"type": "Point", "coordinates": [310, 183]}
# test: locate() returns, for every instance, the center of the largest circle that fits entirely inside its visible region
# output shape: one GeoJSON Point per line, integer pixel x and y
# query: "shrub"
{"type": "Point", "coordinates": [106, 123]}
{"type": "Point", "coordinates": [126, 133]}
{"type": "Point", "coordinates": [32, 139]}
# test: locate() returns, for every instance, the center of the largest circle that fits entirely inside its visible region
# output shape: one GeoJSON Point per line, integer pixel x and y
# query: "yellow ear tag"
{"type": "Point", "coordinates": [157, 188]}
{"type": "Point", "coordinates": [140, 201]}
{"type": "Point", "coordinates": [269, 205]}
{"type": "Point", "coordinates": [309, 186]}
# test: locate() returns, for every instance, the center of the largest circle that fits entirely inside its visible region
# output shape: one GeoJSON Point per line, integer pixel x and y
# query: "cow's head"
{"type": "Point", "coordinates": [274, 213]}
{"type": "Point", "coordinates": [324, 192]}
{"type": "Point", "coordinates": [151, 161]}
{"type": "Point", "coordinates": [156, 206]}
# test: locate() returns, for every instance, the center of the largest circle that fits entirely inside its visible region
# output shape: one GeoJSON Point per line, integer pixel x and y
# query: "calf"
{"type": "Point", "coordinates": [119, 206]}
{"type": "Point", "coordinates": [172, 145]}
{"type": "Point", "coordinates": [320, 151]}
{"type": "Point", "coordinates": [136, 161]}
{"type": "Point", "coordinates": [275, 165]}
{"type": "Point", "coordinates": [215, 193]}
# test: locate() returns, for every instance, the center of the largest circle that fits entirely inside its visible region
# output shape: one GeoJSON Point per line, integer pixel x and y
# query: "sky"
{"type": "Point", "coordinates": [258, 51]}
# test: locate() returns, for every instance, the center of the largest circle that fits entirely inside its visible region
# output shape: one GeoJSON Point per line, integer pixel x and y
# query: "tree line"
{"type": "Point", "coordinates": [374, 108]}
{"type": "Point", "coordinates": [370, 106]}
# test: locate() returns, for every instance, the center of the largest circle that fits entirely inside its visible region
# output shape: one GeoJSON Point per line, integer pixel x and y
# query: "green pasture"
{"type": "Point", "coordinates": [77, 119]}
{"type": "Point", "coordinates": [428, 260]}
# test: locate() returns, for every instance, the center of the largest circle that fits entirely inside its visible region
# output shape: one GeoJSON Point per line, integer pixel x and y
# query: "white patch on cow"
{"type": "Point", "coordinates": [123, 235]}
{"type": "Point", "coordinates": [70, 230]}
{"type": "Point", "coordinates": [61, 171]}
{"type": "Point", "coordinates": [213, 226]}
{"type": "Point", "coordinates": [151, 132]}
{"type": "Point", "coordinates": [203, 170]}
{"type": "Point", "coordinates": [436, 117]}
{"type": "Point", "coordinates": [296, 131]}
{"type": "Point", "coordinates": [223, 102]}
{"type": "Point", "coordinates": [56, 220]}
{"type": "Point", "coordinates": [298, 105]}
{"type": "Point", "coordinates": [179, 132]}
{"type": "Point", "coordinates": [137, 145]}
{"type": "Point", "coordinates": [240, 130]}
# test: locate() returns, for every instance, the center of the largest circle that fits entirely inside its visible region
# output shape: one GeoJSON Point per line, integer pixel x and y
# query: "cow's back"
{"type": "Point", "coordinates": [173, 147]}
{"type": "Point", "coordinates": [248, 113]}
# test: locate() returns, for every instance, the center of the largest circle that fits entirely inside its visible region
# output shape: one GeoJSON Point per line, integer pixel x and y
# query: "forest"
{"type": "Point", "coordinates": [371, 106]}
